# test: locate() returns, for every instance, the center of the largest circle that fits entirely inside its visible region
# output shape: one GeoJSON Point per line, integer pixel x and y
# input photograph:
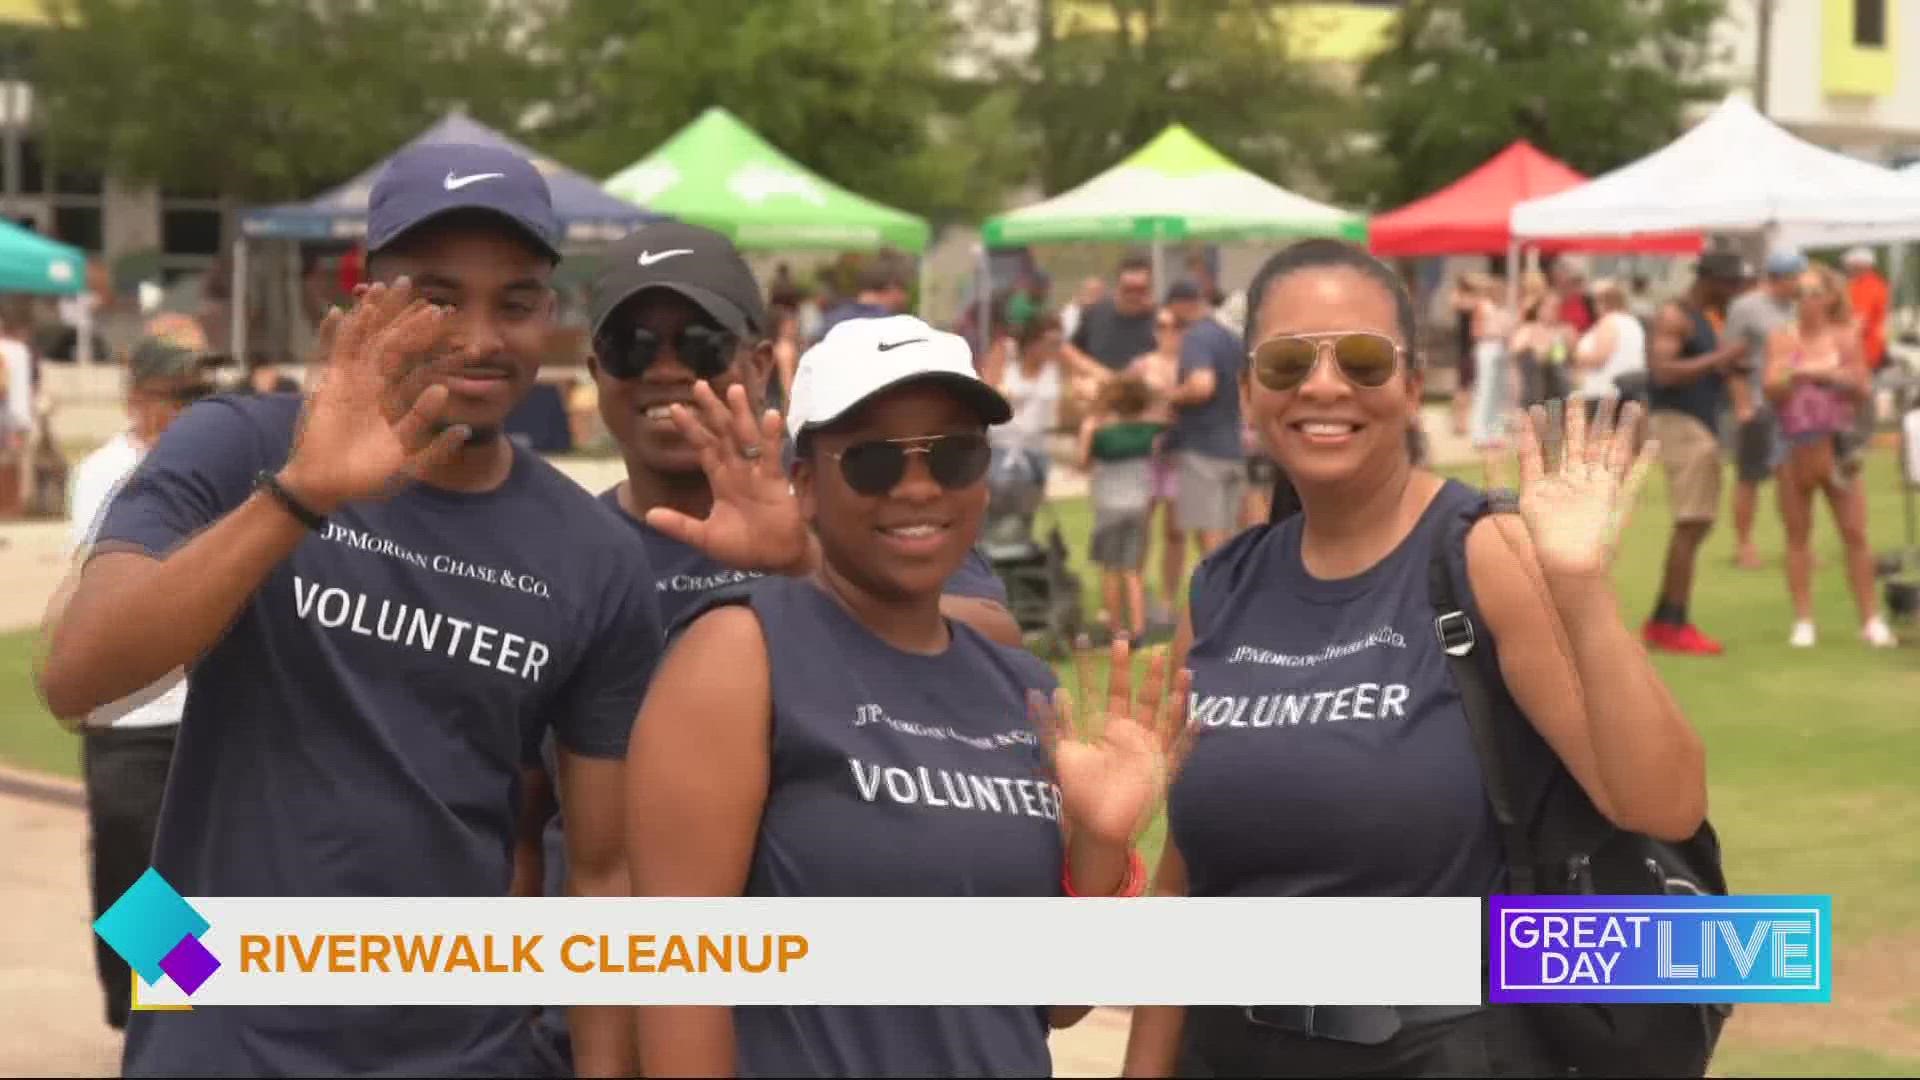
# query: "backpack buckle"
{"type": "Point", "coordinates": [1455, 631]}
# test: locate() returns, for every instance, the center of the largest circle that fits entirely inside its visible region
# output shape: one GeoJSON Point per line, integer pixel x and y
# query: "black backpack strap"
{"type": "Point", "coordinates": [1475, 676]}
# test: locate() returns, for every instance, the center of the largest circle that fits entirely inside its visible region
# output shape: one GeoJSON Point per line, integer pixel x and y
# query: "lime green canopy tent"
{"type": "Point", "coordinates": [720, 173]}
{"type": "Point", "coordinates": [1174, 188]}
{"type": "Point", "coordinates": [31, 263]}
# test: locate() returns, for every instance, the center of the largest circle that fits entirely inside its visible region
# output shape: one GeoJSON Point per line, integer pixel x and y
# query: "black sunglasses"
{"type": "Point", "coordinates": [877, 467]}
{"type": "Point", "coordinates": [705, 349]}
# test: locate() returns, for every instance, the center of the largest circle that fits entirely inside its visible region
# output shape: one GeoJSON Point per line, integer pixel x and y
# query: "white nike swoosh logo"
{"type": "Point", "coordinates": [648, 258]}
{"type": "Point", "coordinates": [455, 183]}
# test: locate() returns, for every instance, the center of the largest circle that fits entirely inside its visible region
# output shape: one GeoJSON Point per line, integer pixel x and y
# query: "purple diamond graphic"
{"type": "Point", "coordinates": [189, 964]}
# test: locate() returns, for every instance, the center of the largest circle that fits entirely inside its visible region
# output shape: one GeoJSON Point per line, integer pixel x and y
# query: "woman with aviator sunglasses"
{"type": "Point", "coordinates": [813, 769]}
{"type": "Point", "coordinates": [1332, 756]}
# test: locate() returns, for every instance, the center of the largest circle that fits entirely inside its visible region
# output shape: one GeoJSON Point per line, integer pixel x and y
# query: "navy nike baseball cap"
{"type": "Point", "coordinates": [432, 179]}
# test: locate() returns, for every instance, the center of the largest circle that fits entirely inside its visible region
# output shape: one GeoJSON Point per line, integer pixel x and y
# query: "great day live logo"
{"type": "Point", "coordinates": [157, 932]}
{"type": "Point", "coordinates": [1706, 949]}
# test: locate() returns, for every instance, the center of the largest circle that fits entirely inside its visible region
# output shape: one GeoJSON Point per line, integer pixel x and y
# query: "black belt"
{"type": "Point", "coordinates": [1366, 1024]}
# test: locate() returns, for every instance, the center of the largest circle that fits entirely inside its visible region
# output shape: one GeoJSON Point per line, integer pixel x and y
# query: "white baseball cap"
{"type": "Point", "coordinates": [1859, 256]}
{"type": "Point", "coordinates": [862, 357]}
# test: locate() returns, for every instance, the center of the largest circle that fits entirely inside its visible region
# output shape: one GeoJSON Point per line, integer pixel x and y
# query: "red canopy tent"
{"type": "Point", "coordinates": [1470, 216]}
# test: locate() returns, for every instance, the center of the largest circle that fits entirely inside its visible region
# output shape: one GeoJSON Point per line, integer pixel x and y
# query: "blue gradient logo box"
{"type": "Point", "coordinates": [157, 933]}
{"type": "Point", "coordinates": [1642, 949]}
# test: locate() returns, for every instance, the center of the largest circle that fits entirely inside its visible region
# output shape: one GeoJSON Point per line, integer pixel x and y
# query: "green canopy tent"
{"type": "Point", "coordinates": [720, 173]}
{"type": "Point", "coordinates": [31, 263]}
{"type": "Point", "coordinates": [1174, 188]}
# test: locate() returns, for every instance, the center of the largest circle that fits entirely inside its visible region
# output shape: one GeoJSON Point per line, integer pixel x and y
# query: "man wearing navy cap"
{"type": "Point", "coordinates": [383, 604]}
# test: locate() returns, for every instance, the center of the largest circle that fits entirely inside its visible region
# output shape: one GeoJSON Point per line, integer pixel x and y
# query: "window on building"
{"type": "Point", "coordinates": [186, 231]}
{"type": "Point", "coordinates": [1870, 24]}
{"type": "Point", "coordinates": [79, 226]}
{"type": "Point", "coordinates": [73, 178]}
{"type": "Point", "coordinates": [33, 168]}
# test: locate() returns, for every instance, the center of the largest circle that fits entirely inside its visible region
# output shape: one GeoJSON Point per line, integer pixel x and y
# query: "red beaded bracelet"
{"type": "Point", "coordinates": [1134, 884]}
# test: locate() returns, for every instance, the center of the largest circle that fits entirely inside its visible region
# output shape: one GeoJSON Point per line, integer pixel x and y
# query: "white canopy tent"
{"type": "Point", "coordinates": [1736, 172]}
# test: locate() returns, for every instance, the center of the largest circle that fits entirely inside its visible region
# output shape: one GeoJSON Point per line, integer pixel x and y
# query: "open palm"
{"type": "Point", "coordinates": [1112, 780]}
{"type": "Point", "coordinates": [373, 417]}
{"type": "Point", "coordinates": [755, 522]}
{"type": "Point", "coordinates": [1576, 507]}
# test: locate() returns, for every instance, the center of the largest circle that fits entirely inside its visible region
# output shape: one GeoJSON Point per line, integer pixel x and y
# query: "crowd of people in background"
{"type": "Point", "coordinates": [1726, 375]}
{"type": "Point", "coordinates": [1142, 378]}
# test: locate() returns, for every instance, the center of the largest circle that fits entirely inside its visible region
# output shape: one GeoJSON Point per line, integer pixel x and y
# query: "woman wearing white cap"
{"type": "Point", "coordinates": [880, 749]}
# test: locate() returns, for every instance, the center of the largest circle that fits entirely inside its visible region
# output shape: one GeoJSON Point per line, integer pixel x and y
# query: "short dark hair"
{"type": "Point", "coordinates": [881, 274]}
{"type": "Point", "coordinates": [1323, 254]}
{"type": "Point", "coordinates": [1133, 261]}
{"type": "Point", "coordinates": [379, 263]}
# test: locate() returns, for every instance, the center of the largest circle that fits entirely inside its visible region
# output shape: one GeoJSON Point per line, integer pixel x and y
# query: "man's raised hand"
{"type": "Point", "coordinates": [373, 417]}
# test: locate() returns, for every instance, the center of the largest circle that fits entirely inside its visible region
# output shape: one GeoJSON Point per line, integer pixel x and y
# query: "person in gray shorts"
{"type": "Point", "coordinates": [1758, 449]}
{"type": "Point", "coordinates": [1116, 449]}
{"type": "Point", "coordinates": [1206, 437]}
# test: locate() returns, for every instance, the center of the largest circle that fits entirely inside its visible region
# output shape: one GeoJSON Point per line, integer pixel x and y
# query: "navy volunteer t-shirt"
{"type": "Point", "coordinates": [1333, 757]}
{"type": "Point", "coordinates": [896, 774]}
{"type": "Point", "coordinates": [1212, 428]}
{"type": "Point", "coordinates": [359, 729]}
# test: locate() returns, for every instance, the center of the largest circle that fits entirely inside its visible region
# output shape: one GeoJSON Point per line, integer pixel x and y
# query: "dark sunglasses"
{"type": "Point", "coordinates": [705, 349]}
{"type": "Point", "coordinates": [877, 467]}
{"type": "Point", "coordinates": [1364, 358]}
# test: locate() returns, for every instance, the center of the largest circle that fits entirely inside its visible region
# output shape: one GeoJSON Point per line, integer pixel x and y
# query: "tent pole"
{"type": "Point", "coordinates": [920, 290]}
{"type": "Point", "coordinates": [1513, 275]}
{"type": "Point", "coordinates": [1159, 260]}
{"type": "Point", "coordinates": [238, 294]}
{"type": "Point", "coordinates": [83, 345]}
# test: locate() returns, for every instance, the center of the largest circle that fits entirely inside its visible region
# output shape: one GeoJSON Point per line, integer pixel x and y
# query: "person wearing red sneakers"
{"type": "Point", "coordinates": [1688, 391]}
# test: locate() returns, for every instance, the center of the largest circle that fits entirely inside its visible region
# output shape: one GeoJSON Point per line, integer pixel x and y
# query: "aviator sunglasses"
{"type": "Point", "coordinates": [877, 467]}
{"type": "Point", "coordinates": [707, 350]}
{"type": "Point", "coordinates": [1364, 358]}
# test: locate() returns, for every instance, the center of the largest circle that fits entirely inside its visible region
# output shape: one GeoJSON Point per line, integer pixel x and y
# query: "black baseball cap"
{"type": "Point", "coordinates": [699, 264]}
{"type": "Point", "coordinates": [427, 180]}
{"type": "Point", "coordinates": [1182, 290]}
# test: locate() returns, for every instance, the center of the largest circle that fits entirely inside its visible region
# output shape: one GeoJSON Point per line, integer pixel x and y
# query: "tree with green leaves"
{"type": "Point", "coordinates": [857, 90]}
{"type": "Point", "coordinates": [269, 99]}
{"type": "Point", "coordinates": [1104, 77]}
{"type": "Point", "coordinates": [1596, 83]}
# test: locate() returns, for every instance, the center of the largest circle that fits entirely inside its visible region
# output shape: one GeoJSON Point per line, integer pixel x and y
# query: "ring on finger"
{"type": "Point", "coordinates": [751, 451]}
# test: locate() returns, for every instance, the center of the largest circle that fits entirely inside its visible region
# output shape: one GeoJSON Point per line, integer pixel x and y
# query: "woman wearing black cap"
{"type": "Point", "coordinates": [850, 737]}
{"type": "Point", "coordinates": [1331, 755]}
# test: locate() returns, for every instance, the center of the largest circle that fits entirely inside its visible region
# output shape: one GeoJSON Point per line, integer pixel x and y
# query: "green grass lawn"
{"type": "Point", "coordinates": [1814, 765]}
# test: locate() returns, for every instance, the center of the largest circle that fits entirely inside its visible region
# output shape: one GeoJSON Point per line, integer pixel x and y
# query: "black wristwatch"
{"type": "Point", "coordinates": [271, 484]}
